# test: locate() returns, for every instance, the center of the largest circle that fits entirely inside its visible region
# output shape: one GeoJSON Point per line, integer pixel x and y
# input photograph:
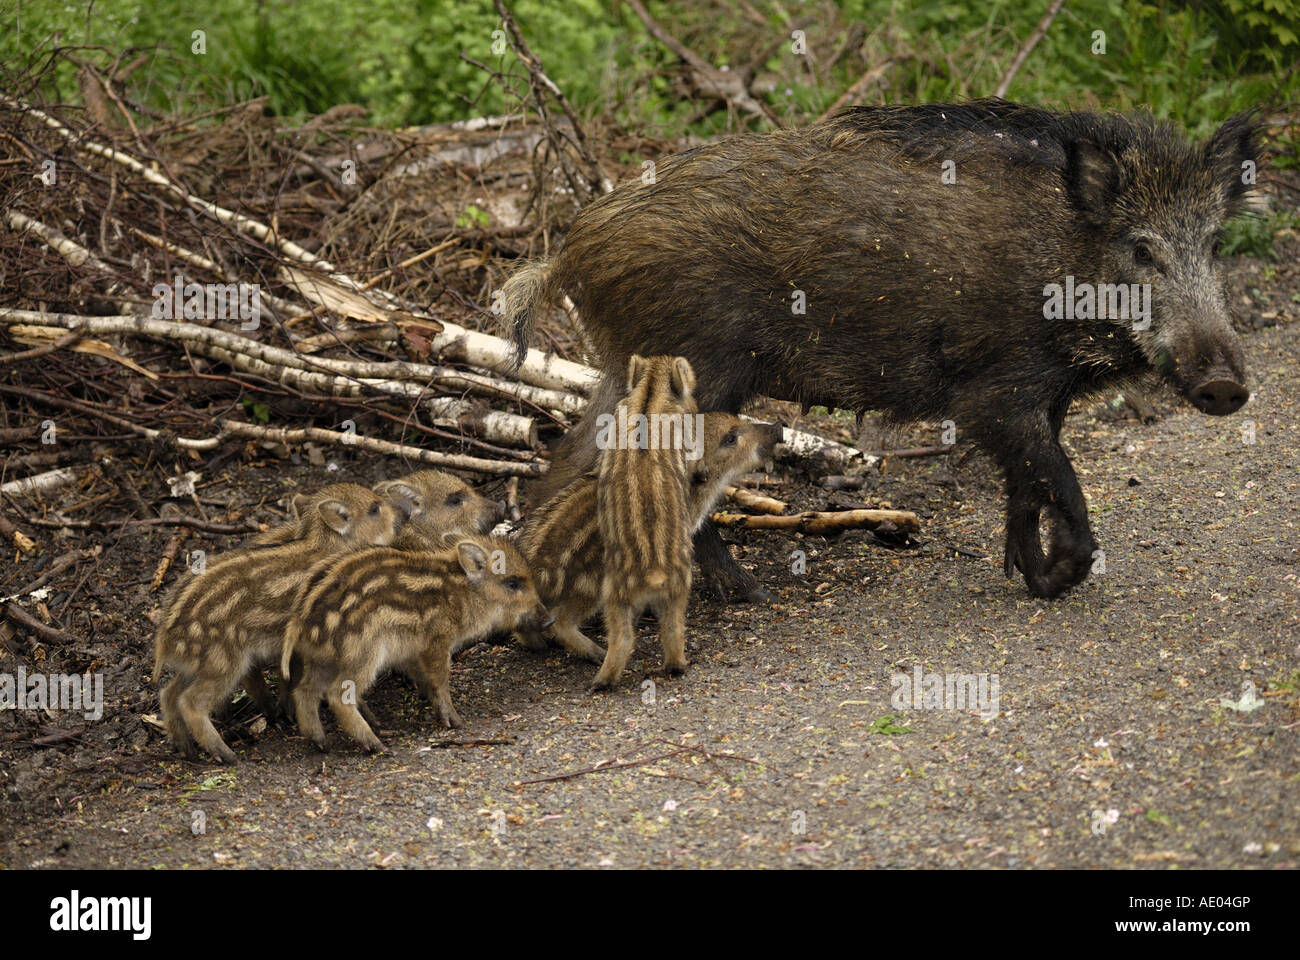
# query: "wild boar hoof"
{"type": "Point", "coordinates": [676, 669]}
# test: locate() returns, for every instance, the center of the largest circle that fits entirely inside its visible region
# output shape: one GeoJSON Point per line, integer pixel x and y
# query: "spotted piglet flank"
{"type": "Point", "coordinates": [641, 507]}
{"type": "Point", "coordinates": [410, 610]}
{"type": "Point", "coordinates": [441, 504]}
{"type": "Point", "coordinates": [224, 624]}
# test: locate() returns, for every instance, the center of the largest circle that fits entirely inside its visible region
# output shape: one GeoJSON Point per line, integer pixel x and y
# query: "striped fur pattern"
{"type": "Point", "coordinates": [642, 514]}
{"type": "Point", "coordinates": [225, 623]}
{"type": "Point", "coordinates": [361, 614]}
{"type": "Point", "coordinates": [438, 503]}
{"type": "Point", "coordinates": [562, 541]}
{"type": "Point", "coordinates": [442, 504]}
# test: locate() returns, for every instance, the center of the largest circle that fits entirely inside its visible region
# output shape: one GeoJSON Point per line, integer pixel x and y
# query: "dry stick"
{"type": "Point", "coordinates": [601, 769]}
{"type": "Point", "coordinates": [19, 539]}
{"type": "Point", "coordinates": [499, 427]}
{"type": "Point", "coordinates": [852, 93]}
{"type": "Point", "coordinates": [1029, 45]}
{"type": "Point", "coordinates": [596, 178]}
{"type": "Point", "coordinates": [284, 307]}
{"type": "Point", "coordinates": [797, 443]}
{"type": "Point", "coordinates": [243, 224]}
{"type": "Point", "coordinates": [18, 615]}
{"type": "Point", "coordinates": [38, 483]}
{"type": "Point", "coordinates": [165, 562]}
{"type": "Point", "coordinates": [229, 428]}
{"type": "Point", "coordinates": [543, 398]}
{"type": "Point", "coordinates": [67, 340]}
{"type": "Point", "coordinates": [818, 522]}
{"type": "Point", "coordinates": [62, 563]}
{"type": "Point", "coordinates": [47, 336]}
{"type": "Point", "coordinates": [410, 262]}
{"type": "Point", "coordinates": [73, 252]}
{"type": "Point", "coordinates": [455, 461]}
{"type": "Point", "coordinates": [937, 451]}
{"type": "Point", "coordinates": [727, 85]}
{"type": "Point", "coordinates": [755, 501]}
{"type": "Point", "coordinates": [452, 341]}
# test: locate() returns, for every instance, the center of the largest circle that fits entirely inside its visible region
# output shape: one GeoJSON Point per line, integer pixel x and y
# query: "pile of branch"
{"type": "Point", "coordinates": [128, 239]}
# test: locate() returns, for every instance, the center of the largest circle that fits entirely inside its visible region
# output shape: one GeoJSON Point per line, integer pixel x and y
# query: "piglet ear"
{"type": "Point", "coordinates": [473, 560]}
{"type": "Point", "coordinates": [1094, 179]}
{"type": "Point", "coordinates": [336, 515]}
{"type": "Point", "coordinates": [299, 504]}
{"type": "Point", "coordinates": [1233, 153]}
{"type": "Point", "coordinates": [636, 367]}
{"type": "Point", "coordinates": [683, 378]}
{"type": "Point", "coordinates": [396, 490]}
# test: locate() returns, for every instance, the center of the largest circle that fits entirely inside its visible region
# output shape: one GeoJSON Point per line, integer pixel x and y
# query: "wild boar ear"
{"type": "Point", "coordinates": [451, 538]}
{"type": "Point", "coordinates": [683, 378]}
{"type": "Point", "coordinates": [1233, 153]}
{"type": "Point", "coordinates": [1093, 177]}
{"type": "Point", "coordinates": [473, 559]}
{"type": "Point", "coordinates": [399, 490]}
{"type": "Point", "coordinates": [299, 504]}
{"type": "Point", "coordinates": [336, 515]}
{"type": "Point", "coordinates": [635, 370]}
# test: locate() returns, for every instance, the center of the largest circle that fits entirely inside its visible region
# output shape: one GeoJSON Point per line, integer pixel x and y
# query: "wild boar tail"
{"type": "Point", "coordinates": [523, 296]}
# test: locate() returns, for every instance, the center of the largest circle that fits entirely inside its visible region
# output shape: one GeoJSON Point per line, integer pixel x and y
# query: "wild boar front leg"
{"type": "Point", "coordinates": [1039, 476]}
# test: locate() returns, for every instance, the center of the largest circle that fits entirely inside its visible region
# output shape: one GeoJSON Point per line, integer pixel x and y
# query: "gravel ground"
{"type": "Point", "coordinates": [1110, 744]}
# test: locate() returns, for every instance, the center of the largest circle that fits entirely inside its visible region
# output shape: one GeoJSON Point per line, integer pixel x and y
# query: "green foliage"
{"type": "Point", "coordinates": [1254, 236]}
{"type": "Point", "coordinates": [1194, 63]}
{"type": "Point", "coordinates": [1268, 24]}
{"type": "Point", "coordinates": [887, 725]}
{"type": "Point", "coordinates": [257, 409]}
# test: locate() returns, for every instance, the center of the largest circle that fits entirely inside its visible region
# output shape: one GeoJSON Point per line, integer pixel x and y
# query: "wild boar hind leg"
{"type": "Point", "coordinates": [720, 569]}
{"type": "Point", "coordinates": [432, 673]}
{"type": "Point", "coordinates": [1040, 477]}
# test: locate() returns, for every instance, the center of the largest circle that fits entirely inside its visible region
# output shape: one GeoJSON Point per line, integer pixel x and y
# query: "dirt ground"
{"type": "Point", "coordinates": [1125, 733]}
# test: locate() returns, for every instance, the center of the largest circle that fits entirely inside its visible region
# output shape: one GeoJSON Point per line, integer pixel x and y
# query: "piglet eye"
{"type": "Point", "coordinates": [730, 439]}
{"type": "Point", "coordinates": [514, 583]}
{"type": "Point", "coordinates": [455, 500]}
{"type": "Point", "coordinates": [374, 509]}
{"type": "Point", "coordinates": [1142, 255]}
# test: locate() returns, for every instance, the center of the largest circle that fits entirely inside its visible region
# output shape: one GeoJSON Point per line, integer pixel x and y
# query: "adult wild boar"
{"type": "Point", "coordinates": [931, 262]}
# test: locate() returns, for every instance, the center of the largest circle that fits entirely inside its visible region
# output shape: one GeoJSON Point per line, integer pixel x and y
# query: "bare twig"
{"type": "Point", "coordinates": [1023, 53]}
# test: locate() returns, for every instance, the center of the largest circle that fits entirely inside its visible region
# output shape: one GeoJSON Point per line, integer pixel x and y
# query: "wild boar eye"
{"type": "Point", "coordinates": [455, 500]}
{"type": "Point", "coordinates": [514, 583]}
{"type": "Point", "coordinates": [730, 439]}
{"type": "Point", "coordinates": [1142, 255]}
{"type": "Point", "coordinates": [374, 509]}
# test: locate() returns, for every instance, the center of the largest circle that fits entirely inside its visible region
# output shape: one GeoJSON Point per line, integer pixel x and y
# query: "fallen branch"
{"type": "Point", "coordinates": [18, 615]}
{"type": "Point", "coordinates": [19, 539]}
{"type": "Point", "coordinates": [38, 483]}
{"type": "Point", "coordinates": [207, 338]}
{"type": "Point", "coordinates": [230, 428]}
{"type": "Point", "coordinates": [818, 522]}
{"type": "Point", "coordinates": [798, 443]}
{"type": "Point", "coordinates": [755, 501]}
